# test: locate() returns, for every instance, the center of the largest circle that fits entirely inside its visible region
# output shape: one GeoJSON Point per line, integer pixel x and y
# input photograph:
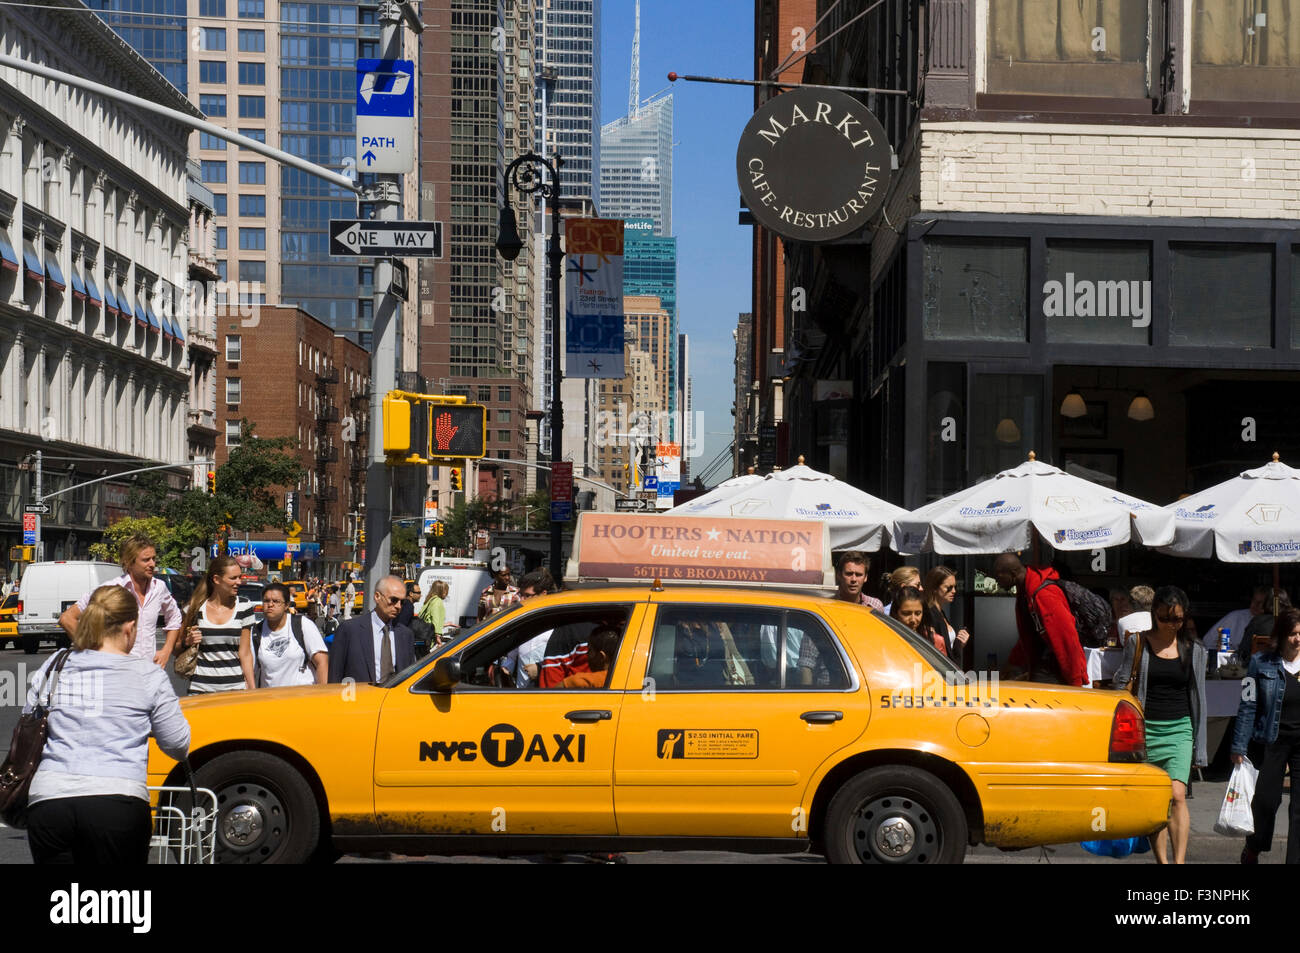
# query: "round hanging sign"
{"type": "Point", "coordinates": [813, 165]}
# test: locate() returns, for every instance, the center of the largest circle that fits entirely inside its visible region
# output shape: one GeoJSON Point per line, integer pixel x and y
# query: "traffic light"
{"type": "Point", "coordinates": [423, 427]}
{"type": "Point", "coordinates": [456, 484]}
{"type": "Point", "coordinates": [212, 481]}
{"type": "Point", "coordinates": [397, 425]}
{"type": "Point", "coordinates": [361, 536]}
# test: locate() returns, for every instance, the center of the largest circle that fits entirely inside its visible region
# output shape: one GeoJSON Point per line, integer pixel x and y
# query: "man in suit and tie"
{"type": "Point", "coordinates": [371, 646]}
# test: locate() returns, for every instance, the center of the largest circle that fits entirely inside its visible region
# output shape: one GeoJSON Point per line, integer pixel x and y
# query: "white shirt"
{"type": "Point", "coordinates": [157, 600]}
{"type": "Point", "coordinates": [1236, 620]}
{"type": "Point", "coordinates": [377, 628]}
{"type": "Point", "coordinates": [1134, 622]}
{"type": "Point", "coordinates": [529, 653]}
{"type": "Point", "coordinates": [280, 657]}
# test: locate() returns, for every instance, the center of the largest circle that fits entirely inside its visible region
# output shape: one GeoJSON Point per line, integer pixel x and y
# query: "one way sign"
{"type": "Point", "coordinates": [385, 115]}
{"type": "Point", "coordinates": [386, 239]}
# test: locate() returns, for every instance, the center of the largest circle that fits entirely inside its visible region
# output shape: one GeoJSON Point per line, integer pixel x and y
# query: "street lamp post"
{"type": "Point", "coordinates": [525, 173]}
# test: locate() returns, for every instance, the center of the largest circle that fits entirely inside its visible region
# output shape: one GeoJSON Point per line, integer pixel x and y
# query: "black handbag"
{"type": "Point", "coordinates": [26, 749]}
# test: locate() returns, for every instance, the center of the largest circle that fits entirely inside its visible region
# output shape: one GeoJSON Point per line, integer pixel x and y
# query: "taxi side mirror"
{"type": "Point", "coordinates": [446, 674]}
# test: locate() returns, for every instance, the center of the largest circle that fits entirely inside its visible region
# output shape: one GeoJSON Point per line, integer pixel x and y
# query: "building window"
{"type": "Point", "coordinates": [212, 104]}
{"type": "Point", "coordinates": [233, 348]}
{"type": "Point", "coordinates": [503, 395]}
{"type": "Point", "coordinates": [212, 170]}
{"type": "Point", "coordinates": [219, 202]}
{"type": "Point", "coordinates": [221, 268]}
{"type": "Point", "coordinates": [212, 71]}
{"type": "Point", "coordinates": [503, 416]}
{"type": "Point", "coordinates": [221, 237]}
{"type": "Point", "coordinates": [252, 107]}
{"type": "Point", "coordinates": [232, 433]}
{"type": "Point", "coordinates": [211, 39]}
{"type": "Point", "coordinates": [1097, 292]}
{"type": "Point", "coordinates": [258, 134]}
{"type": "Point", "coordinates": [1209, 282]}
{"type": "Point", "coordinates": [212, 8]}
{"type": "Point", "coordinates": [1006, 420]}
{"type": "Point", "coordinates": [252, 239]}
{"type": "Point", "coordinates": [484, 394]}
{"type": "Point", "coordinates": [1241, 55]}
{"type": "Point", "coordinates": [252, 270]}
{"type": "Point", "coordinates": [232, 390]}
{"type": "Point", "coordinates": [252, 41]}
{"type": "Point", "coordinates": [252, 9]}
{"type": "Point", "coordinates": [208, 141]}
{"type": "Point", "coordinates": [252, 173]}
{"type": "Point", "coordinates": [253, 205]}
{"type": "Point", "coordinates": [503, 436]}
{"type": "Point", "coordinates": [975, 289]}
{"type": "Point", "coordinates": [252, 74]}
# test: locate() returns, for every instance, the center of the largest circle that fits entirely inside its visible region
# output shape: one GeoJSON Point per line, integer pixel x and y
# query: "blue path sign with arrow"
{"type": "Point", "coordinates": [385, 115]}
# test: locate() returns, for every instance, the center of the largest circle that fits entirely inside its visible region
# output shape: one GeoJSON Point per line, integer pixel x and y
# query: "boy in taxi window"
{"type": "Point", "coordinates": [602, 646]}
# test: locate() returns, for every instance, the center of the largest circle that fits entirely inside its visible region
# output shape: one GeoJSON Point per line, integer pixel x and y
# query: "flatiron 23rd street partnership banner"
{"type": "Point", "coordinates": [593, 311]}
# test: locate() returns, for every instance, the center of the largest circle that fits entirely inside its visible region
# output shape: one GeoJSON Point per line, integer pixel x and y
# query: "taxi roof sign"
{"type": "Point", "coordinates": [701, 550]}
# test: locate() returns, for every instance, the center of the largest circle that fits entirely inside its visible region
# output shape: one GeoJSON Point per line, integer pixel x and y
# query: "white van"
{"type": "Point", "coordinates": [47, 589]}
{"type": "Point", "coordinates": [465, 583]}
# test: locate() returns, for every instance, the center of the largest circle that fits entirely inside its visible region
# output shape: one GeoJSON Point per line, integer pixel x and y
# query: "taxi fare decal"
{"type": "Point", "coordinates": [502, 745]}
{"type": "Point", "coordinates": [687, 743]}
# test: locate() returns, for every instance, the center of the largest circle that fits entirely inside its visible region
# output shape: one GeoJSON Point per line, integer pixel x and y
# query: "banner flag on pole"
{"type": "Point", "coordinates": [593, 311]}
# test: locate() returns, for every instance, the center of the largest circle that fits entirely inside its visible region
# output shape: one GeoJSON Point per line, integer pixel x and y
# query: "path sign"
{"type": "Point", "coordinates": [30, 526]}
{"type": "Point", "coordinates": [372, 238]}
{"type": "Point", "coordinates": [385, 115]}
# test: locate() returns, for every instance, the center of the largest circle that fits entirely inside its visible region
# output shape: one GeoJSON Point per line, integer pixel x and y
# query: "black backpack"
{"type": "Point", "coordinates": [1092, 616]}
{"type": "Point", "coordinates": [295, 623]}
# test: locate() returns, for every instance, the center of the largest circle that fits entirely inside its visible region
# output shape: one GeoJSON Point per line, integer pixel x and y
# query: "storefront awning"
{"type": "Point", "coordinates": [111, 303]}
{"type": "Point", "coordinates": [78, 286]}
{"type": "Point", "coordinates": [53, 272]}
{"type": "Point", "coordinates": [92, 291]}
{"type": "Point", "coordinates": [141, 315]}
{"type": "Point", "coordinates": [154, 324]}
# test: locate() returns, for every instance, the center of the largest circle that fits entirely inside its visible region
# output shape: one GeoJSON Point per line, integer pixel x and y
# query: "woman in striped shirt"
{"type": "Point", "coordinates": [221, 625]}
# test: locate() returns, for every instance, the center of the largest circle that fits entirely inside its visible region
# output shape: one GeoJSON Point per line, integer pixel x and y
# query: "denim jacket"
{"type": "Point", "coordinates": [1260, 713]}
{"type": "Point", "coordinates": [1195, 696]}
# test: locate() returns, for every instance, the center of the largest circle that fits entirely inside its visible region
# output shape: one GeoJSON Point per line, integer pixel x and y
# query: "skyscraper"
{"type": "Point", "coordinates": [636, 165]}
{"type": "Point", "coordinates": [567, 122]}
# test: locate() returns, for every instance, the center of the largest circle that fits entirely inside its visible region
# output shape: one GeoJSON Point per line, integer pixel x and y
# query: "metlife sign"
{"type": "Point", "coordinates": [385, 115]}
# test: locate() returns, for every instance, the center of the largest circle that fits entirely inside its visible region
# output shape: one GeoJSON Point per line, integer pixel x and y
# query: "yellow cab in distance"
{"type": "Point", "coordinates": [298, 589]}
{"type": "Point", "coordinates": [737, 710]}
{"type": "Point", "coordinates": [9, 618]}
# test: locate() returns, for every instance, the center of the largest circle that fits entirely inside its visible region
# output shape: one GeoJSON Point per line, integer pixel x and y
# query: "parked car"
{"type": "Point", "coordinates": [47, 590]}
{"type": "Point", "coordinates": [252, 592]}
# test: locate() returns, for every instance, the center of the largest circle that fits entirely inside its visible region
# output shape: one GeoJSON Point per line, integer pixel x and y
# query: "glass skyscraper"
{"type": "Point", "coordinates": [162, 40]}
{"type": "Point", "coordinates": [636, 166]}
{"type": "Point", "coordinates": [650, 268]}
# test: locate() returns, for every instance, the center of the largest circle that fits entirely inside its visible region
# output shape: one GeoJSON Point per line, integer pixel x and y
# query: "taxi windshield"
{"type": "Point", "coordinates": [453, 641]}
{"type": "Point", "coordinates": [932, 655]}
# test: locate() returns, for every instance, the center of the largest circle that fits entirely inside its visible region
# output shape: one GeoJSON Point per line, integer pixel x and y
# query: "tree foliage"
{"type": "Point", "coordinates": [174, 541]}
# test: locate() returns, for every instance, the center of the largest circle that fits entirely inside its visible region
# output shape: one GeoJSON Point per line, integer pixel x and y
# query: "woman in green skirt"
{"type": "Point", "coordinates": [1170, 676]}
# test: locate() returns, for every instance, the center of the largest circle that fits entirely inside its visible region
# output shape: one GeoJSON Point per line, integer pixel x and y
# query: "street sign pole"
{"type": "Point", "coordinates": [40, 545]}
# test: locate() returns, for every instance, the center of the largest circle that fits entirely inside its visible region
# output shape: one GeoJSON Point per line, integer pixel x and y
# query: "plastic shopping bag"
{"type": "Point", "coordinates": [1235, 818]}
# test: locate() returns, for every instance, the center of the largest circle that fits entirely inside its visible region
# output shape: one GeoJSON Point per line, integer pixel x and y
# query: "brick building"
{"type": "Point", "coordinates": [293, 376]}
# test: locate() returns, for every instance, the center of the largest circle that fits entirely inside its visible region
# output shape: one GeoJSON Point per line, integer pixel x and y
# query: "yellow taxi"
{"type": "Point", "coordinates": [9, 618]}
{"type": "Point", "coordinates": [298, 590]}
{"type": "Point", "coordinates": [667, 715]}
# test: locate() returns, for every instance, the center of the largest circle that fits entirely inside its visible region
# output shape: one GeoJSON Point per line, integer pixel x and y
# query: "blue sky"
{"type": "Point", "coordinates": [713, 38]}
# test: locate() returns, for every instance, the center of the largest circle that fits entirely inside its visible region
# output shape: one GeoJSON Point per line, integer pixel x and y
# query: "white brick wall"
{"type": "Point", "coordinates": [1031, 168]}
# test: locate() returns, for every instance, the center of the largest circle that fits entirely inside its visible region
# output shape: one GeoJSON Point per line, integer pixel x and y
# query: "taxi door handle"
{"type": "Point", "coordinates": [590, 715]}
{"type": "Point", "coordinates": [822, 717]}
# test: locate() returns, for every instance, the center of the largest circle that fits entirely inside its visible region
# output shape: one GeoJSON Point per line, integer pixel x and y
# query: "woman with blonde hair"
{"type": "Point", "coordinates": [88, 801]}
{"type": "Point", "coordinates": [221, 625]}
{"type": "Point", "coordinates": [901, 578]}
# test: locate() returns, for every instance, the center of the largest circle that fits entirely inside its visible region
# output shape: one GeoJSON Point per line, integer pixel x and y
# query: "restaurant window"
{"type": "Point", "coordinates": [1006, 423]}
{"type": "Point", "coordinates": [1097, 292]}
{"type": "Point", "coordinates": [945, 429]}
{"type": "Point", "coordinates": [1246, 51]}
{"type": "Point", "coordinates": [974, 290]}
{"type": "Point", "coordinates": [1220, 295]}
{"type": "Point", "coordinates": [1074, 48]}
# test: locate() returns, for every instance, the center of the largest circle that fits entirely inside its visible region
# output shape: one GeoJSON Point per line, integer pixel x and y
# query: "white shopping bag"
{"type": "Point", "coordinates": [1235, 818]}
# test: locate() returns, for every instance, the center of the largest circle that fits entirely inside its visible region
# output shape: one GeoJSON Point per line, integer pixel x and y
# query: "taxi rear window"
{"type": "Point", "coordinates": [924, 646]}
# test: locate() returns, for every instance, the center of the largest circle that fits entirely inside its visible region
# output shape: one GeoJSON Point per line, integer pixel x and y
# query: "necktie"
{"type": "Point", "coordinates": [385, 656]}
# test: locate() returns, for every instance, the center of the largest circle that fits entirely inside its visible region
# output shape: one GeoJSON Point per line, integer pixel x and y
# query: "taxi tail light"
{"type": "Point", "coordinates": [1128, 734]}
{"type": "Point", "coordinates": [19, 610]}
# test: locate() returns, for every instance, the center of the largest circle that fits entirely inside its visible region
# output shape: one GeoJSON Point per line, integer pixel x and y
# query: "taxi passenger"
{"type": "Point", "coordinates": [602, 646]}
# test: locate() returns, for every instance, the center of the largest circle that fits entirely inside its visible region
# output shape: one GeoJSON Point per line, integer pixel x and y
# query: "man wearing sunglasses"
{"type": "Point", "coordinates": [370, 647]}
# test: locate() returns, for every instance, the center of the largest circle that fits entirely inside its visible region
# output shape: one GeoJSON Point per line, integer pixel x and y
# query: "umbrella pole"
{"type": "Point", "coordinates": [1275, 579]}
{"type": "Point", "coordinates": [1038, 559]}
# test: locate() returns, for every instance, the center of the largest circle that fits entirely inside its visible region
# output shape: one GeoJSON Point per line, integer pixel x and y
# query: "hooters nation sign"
{"type": "Point", "coordinates": [813, 165]}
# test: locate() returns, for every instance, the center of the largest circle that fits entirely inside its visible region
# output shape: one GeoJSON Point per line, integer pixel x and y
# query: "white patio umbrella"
{"type": "Point", "coordinates": [856, 520]}
{"type": "Point", "coordinates": [723, 490]}
{"type": "Point", "coordinates": [999, 515]}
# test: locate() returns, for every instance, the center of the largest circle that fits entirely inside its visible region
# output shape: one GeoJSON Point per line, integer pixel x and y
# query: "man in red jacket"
{"type": "Point", "coordinates": [1049, 648]}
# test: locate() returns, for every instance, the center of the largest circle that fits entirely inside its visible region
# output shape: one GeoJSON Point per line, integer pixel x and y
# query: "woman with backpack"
{"type": "Point", "coordinates": [1165, 669]}
{"type": "Point", "coordinates": [287, 648]}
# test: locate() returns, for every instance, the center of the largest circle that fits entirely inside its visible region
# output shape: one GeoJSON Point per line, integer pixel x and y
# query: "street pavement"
{"type": "Point", "coordinates": [1204, 847]}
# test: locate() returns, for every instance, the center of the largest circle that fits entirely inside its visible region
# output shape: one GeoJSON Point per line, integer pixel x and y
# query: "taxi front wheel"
{"type": "Point", "coordinates": [266, 813]}
{"type": "Point", "coordinates": [895, 815]}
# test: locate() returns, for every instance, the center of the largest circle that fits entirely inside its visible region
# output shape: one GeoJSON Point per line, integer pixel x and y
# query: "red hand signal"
{"type": "Point", "coordinates": [443, 431]}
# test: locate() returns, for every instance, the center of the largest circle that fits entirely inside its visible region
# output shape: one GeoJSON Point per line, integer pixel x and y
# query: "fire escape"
{"type": "Point", "coordinates": [327, 452]}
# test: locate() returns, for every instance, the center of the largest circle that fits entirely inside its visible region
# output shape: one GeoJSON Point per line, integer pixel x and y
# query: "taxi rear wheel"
{"type": "Point", "coordinates": [895, 815]}
{"type": "Point", "coordinates": [266, 813]}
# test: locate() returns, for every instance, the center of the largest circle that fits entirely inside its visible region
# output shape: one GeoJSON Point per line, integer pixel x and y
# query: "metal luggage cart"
{"type": "Point", "coordinates": [184, 825]}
